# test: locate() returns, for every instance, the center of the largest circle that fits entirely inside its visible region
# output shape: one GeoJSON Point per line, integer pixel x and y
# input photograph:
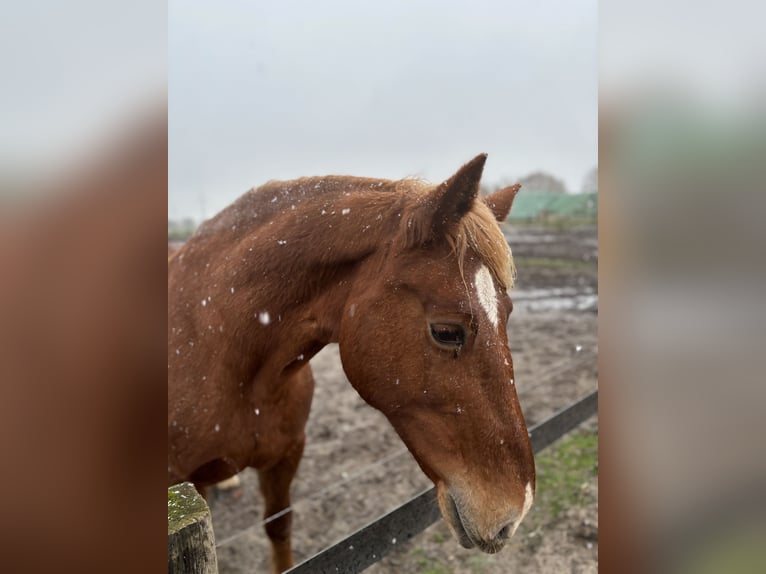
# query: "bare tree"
{"type": "Point", "coordinates": [543, 182]}
{"type": "Point", "coordinates": [490, 188]}
{"type": "Point", "coordinates": [590, 181]}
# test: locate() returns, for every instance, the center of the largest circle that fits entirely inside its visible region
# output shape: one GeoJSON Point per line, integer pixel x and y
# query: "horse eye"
{"type": "Point", "coordinates": [448, 335]}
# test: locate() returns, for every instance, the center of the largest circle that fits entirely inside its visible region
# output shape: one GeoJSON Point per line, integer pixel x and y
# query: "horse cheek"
{"type": "Point", "coordinates": [355, 353]}
{"type": "Point", "coordinates": [364, 341]}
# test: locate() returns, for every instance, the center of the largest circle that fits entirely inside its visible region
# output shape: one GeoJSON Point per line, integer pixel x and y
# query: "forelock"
{"type": "Point", "coordinates": [479, 230]}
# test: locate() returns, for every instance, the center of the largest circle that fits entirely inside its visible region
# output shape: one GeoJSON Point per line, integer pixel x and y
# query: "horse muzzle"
{"type": "Point", "coordinates": [489, 539]}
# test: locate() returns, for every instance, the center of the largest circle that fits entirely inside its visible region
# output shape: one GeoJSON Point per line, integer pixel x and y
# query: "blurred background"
{"type": "Point", "coordinates": [682, 398]}
{"type": "Point", "coordinates": [83, 181]}
{"type": "Point", "coordinates": [74, 76]}
{"type": "Point", "coordinates": [259, 92]}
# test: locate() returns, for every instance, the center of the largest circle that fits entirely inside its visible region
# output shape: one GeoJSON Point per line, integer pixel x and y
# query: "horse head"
{"type": "Point", "coordinates": [423, 339]}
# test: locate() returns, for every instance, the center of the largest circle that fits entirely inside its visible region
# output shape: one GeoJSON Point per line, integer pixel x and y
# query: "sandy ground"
{"type": "Point", "coordinates": [356, 468]}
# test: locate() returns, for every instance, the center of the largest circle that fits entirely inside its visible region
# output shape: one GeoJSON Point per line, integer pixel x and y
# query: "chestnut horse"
{"type": "Point", "coordinates": [411, 280]}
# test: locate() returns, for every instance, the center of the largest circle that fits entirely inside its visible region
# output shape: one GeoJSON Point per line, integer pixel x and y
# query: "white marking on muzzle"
{"type": "Point", "coordinates": [485, 288]}
{"type": "Point", "coordinates": [528, 499]}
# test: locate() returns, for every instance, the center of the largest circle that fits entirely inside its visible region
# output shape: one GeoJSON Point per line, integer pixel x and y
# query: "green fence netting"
{"type": "Point", "coordinates": [537, 205]}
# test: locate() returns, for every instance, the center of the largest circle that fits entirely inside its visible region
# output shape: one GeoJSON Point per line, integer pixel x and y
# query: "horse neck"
{"type": "Point", "coordinates": [294, 269]}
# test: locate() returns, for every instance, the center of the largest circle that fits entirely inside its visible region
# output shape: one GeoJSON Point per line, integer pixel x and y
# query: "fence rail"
{"type": "Point", "coordinates": [370, 543]}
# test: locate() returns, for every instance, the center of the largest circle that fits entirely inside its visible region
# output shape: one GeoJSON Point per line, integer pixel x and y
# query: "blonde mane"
{"type": "Point", "coordinates": [477, 229]}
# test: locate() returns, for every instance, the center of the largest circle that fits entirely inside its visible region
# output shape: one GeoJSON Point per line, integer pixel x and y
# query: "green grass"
{"type": "Point", "coordinates": [426, 565]}
{"type": "Point", "coordinates": [562, 471]}
{"type": "Point", "coordinates": [478, 563]}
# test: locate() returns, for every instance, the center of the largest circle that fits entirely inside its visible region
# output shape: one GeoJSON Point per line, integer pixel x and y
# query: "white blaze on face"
{"type": "Point", "coordinates": [485, 288]}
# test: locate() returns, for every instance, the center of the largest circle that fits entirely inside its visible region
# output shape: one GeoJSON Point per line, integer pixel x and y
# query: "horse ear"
{"type": "Point", "coordinates": [443, 207]}
{"type": "Point", "coordinates": [500, 202]}
{"type": "Point", "coordinates": [453, 198]}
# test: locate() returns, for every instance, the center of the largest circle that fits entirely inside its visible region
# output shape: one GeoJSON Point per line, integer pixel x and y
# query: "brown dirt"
{"type": "Point", "coordinates": [356, 468]}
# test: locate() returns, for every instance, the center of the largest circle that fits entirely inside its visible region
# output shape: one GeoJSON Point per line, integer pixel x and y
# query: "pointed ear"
{"type": "Point", "coordinates": [500, 202]}
{"type": "Point", "coordinates": [444, 206]}
{"type": "Point", "coordinates": [454, 198]}
{"type": "Point", "coordinates": [439, 210]}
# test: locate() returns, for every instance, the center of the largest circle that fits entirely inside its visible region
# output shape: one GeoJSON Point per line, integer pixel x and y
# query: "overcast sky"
{"type": "Point", "coordinates": [276, 90]}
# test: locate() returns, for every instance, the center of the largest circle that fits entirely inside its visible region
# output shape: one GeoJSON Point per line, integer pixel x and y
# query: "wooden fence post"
{"type": "Point", "coordinates": [191, 543]}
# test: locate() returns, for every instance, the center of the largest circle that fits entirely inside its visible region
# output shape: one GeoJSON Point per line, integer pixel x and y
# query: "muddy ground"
{"type": "Point", "coordinates": [356, 468]}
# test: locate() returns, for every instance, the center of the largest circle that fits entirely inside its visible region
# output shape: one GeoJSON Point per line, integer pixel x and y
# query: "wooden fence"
{"type": "Point", "coordinates": [370, 543]}
{"type": "Point", "coordinates": [191, 545]}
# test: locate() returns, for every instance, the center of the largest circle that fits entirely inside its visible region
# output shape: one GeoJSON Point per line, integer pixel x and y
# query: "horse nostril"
{"type": "Point", "coordinates": [504, 531]}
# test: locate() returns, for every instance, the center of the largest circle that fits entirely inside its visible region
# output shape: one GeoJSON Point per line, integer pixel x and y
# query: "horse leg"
{"type": "Point", "coordinates": [275, 487]}
{"type": "Point", "coordinates": [275, 480]}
